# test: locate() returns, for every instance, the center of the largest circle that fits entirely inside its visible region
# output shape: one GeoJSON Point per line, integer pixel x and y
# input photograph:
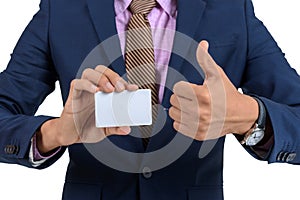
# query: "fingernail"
{"type": "Point", "coordinates": [109, 86]}
{"type": "Point", "coordinates": [94, 88]}
{"type": "Point", "coordinates": [120, 86]}
{"type": "Point", "coordinates": [133, 86]}
{"type": "Point", "coordinates": [125, 129]}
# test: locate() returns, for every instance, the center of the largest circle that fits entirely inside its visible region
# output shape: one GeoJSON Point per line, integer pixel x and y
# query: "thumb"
{"type": "Point", "coordinates": [206, 62]}
{"type": "Point", "coordinates": [204, 45]}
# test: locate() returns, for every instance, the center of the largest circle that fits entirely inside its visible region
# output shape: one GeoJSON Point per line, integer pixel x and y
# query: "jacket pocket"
{"type": "Point", "coordinates": [223, 42]}
{"type": "Point", "coordinates": [82, 191]}
{"type": "Point", "coordinates": [206, 193]}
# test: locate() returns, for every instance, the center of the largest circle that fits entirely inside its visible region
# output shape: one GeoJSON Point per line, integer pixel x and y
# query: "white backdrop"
{"type": "Point", "coordinates": [244, 177]}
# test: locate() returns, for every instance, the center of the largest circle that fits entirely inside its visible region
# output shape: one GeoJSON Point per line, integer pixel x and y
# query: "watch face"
{"type": "Point", "coordinates": [255, 137]}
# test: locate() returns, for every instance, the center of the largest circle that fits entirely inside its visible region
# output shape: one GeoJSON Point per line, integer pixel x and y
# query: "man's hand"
{"type": "Point", "coordinates": [214, 109]}
{"type": "Point", "coordinates": [77, 121]}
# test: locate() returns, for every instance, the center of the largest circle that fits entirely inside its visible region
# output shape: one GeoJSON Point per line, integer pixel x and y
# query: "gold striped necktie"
{"type": "Point", "coordinates": [139, 56]}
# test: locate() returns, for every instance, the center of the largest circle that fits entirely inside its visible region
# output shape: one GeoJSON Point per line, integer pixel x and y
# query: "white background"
{"type": "Point", "coordinates": [244, 177]}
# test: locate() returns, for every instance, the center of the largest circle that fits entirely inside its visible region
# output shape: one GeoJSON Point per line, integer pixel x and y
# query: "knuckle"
{"type": "Point", "coordinates": [109, 72]}
{"type": "Point", "coordinates": [199, 136]}
{"type": "Point", "coordinates": [112, 76]}
{"type": "Point", "coordinates": [201, 132]}
{"type": "Point", "coordinates": [176, 126]}
{"type": "Point", "coordinates": [115, 78]}
{"type": "Point", "coordinates": [179, 86]}
{"type": "Point", "coordinates": [198, 93]}
{"type": "Point", "coordinates": [220, 69]}
{"type": "Point", "coordinates": [205, 97]}
{"type": "Point", "coordinates": [172, 99]}
{"type": "Point", "coordinates": [195, 87]}
{"type": "Point", "coordinates": [102, 81]}
{"type": "Point", "coordinates": [183, 103]}
{"type": "Point", "coordinates": [204, 93]}
{"type": "Point", "coordinates": [73, 83]}
{"type": "Point", "coordinates": [100, 68]}
{"type": "Point", "coordinates": [171, 112]}
{"type": "Point", "coordinates": [178, 83]}
{"type": "Point", "coordinates": [204, 118]}
{"type": "Point", "coordinates": [86, 72]}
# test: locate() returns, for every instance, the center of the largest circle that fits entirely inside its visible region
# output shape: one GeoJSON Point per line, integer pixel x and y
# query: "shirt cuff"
{"type": "Point", "coordinates": [35, 157]}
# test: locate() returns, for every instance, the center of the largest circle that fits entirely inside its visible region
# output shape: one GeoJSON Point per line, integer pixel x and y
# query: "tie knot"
{"type": "Point", "coordinates": [142, 6]}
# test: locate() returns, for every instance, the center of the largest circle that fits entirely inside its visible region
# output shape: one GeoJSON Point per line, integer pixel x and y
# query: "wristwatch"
{"type": "Point", "coordinates": [257, 132]}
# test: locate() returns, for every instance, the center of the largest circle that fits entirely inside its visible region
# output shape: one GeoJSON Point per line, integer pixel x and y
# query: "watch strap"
{"type": "Point", "coordinates": [261, 120]}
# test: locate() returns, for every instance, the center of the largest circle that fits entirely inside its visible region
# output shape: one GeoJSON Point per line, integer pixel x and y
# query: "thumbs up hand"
{"type": "Point", "coordinates": [214, 109]}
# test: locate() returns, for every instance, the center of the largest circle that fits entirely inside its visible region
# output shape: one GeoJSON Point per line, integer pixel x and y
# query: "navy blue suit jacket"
{"type": "Point", "coordinates": [61, 35]}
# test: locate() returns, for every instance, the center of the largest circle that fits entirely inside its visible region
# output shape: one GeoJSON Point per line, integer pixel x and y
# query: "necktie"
{"type": "Point", "coordinates": [139, 56]}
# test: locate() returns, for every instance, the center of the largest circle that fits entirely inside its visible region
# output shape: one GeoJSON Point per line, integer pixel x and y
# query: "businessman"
{"type": "Point", "coordinates": [235, 51]}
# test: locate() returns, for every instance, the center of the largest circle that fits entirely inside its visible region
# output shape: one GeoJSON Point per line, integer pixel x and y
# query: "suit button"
{"type": "Point", "coordinates": [11, 149]}
{"type": "Point", "coordinates": [16, 150]}
{"type": "Point", "coordinates": [147, 173]}
{"type": "Point", "coordinates": [279, 156]}
{"type": "Point", "coordinates": [284, 157]}
{"type": "Point", "coordinates": [291, 157]}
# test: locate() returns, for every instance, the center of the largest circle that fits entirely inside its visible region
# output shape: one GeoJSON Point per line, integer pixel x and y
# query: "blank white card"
{"type": "Point", "coordinates": [127, 108]}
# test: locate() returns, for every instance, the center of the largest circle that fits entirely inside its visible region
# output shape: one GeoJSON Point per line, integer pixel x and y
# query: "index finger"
{"type": "Point", "coordinates": [118, 82]}
{"type": "Point", "coordinates": [185, 90]}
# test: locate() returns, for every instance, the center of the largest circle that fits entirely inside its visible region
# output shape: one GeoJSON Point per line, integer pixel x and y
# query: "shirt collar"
{"type": "Point", "coordinates": [169, 6]}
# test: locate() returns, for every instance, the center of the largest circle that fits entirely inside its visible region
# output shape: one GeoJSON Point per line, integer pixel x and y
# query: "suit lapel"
{"type": "Point", "coordinates": [102, 13]}
{"type": "Point", "coordinates": [187, 23]}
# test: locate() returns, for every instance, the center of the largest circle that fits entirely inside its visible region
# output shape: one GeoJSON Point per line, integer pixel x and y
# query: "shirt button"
{"type": "Point", "coordinates": [147, 173]}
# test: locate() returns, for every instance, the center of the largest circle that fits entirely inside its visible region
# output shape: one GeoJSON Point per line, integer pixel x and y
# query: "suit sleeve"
{"type": "Point", "coordinates": [269, 76]}
{"type": "Point", "coordinates": [28, 79]}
